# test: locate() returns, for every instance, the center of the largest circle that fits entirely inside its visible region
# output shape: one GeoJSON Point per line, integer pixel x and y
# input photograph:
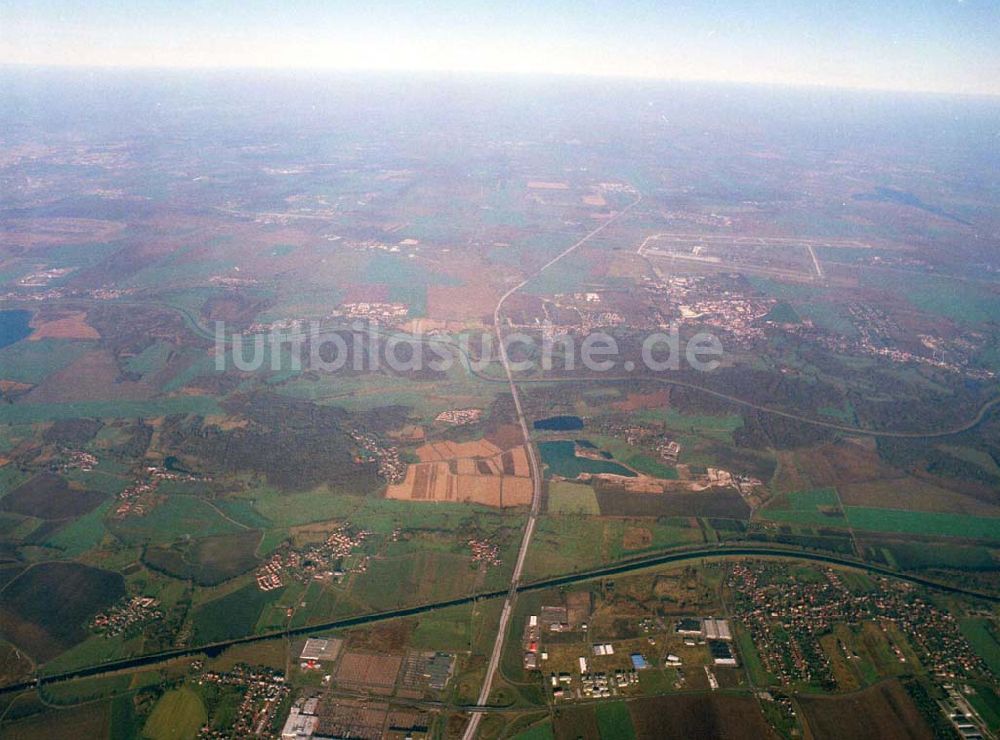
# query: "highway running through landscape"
{"type": "Point", "coordinates": [535, 468]}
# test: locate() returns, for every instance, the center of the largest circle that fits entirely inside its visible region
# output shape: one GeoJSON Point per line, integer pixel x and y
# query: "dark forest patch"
{"type": "Point", "coordinates": [719, 503]}
{"type": "Point", "coordinates": [46, 609]}
{"type": "Point", "coordinates": [48, 496]}
{"type": "Point", "coordinates": [207, 561]}
{"type": "Point", "coordinates": [295, 444]}
{"type": "Point", "coordinates": [73, 432]}
{"type": "Point", "coordinates": [233, 615]}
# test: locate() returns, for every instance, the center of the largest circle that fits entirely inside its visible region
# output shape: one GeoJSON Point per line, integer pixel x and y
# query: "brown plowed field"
{"type": "Point", "coordinates": [375, 673]}
{"type": "Point", "coordinates": [516, 491]}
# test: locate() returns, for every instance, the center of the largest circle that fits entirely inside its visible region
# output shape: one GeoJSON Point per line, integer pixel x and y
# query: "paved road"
{"type": "Point", "coordinates": [535, 468]}
{"type": "Point", "coordinates": [815, 259]}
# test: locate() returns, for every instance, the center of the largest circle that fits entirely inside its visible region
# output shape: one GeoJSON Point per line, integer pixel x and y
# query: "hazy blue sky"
{"type": "Point", "coordinates": [940, 45]}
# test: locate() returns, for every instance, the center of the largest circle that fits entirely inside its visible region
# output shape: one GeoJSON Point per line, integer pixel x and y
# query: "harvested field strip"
{"type": "Point", "coordinates": [466, 479]}
{"type": "Point", "coordinates": [446, 450]}
{"type": "Point", "coordinates": [482, 489]}
{"type": "Point", "coordinates": [516, 491]}
{"type": "Point", "coordinates": [883, 711]}
{"type": "Point", "coordinates": [373, 672]}
{"type": "Point", "coordinates": [687, 716]}
{"type": "Point", "coordinates": [520, 459]}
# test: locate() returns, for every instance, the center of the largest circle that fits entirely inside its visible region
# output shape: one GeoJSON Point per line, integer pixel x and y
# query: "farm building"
{"type": "Point", "coordinates": [688, 627]}
{"type": "Point", "coordinates": [437, 670]}
{"type": "Point", "coordinates": [716, 629]}
{"type": "Point", "coordinates": [722, 653]}
{"type": "Point", "coordinates": [639, 662]}
{"type": "Point", "coordinates": [317, 649]}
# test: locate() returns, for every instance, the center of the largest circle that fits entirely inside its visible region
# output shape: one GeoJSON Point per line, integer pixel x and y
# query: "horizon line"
{"type": "Point", "coordinates": [510, 74]}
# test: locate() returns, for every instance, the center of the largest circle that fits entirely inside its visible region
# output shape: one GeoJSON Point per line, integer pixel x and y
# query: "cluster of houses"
{"type": "Point", "coordinates": [264, 690]}
{"type": "Point", "coordinates": [484, 551]}
{"type": "Point", "coordinates": [458, 417]}
{"type": "Point", "coordinates": [125, 615]}
{"type": "Point", "coordinates": [325, 560]}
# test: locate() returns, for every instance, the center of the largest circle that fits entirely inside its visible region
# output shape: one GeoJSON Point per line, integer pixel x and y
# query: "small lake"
{"type": "Point", "coordinates": [14, 326]}
{"type": "Point", "coordinates": [559, 423]}
{"type": "Point", "coordinates": [560, 457]}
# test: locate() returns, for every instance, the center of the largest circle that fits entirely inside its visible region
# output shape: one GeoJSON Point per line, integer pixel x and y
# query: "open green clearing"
{"type": "Point", "coordinates": [914, 556]}
{"type": "Point", "coordinates": [719, 427]}
{"type": "Point", "coordinates": [30, 413]}
{"type": "Point", "coordinates": [937, 295]}
{"type": "Point", "coordinates": [821, 507]}
{"type": "Point", "coordinates": [986, 701]}
{"type": "Point", "coordinates": [32, 361]}
{"type": "Point", "coordinates": [232, 615]}
{"type": "Point", "coordinates": [564, 544]}
{"type": "Point", "coordinates": [572, 498]}
{"type": "Point", "coordinates": [923, 522]}
{"type": "Point", "coordinates": [444, 629]}
{"type": "Point", "coordinates": [178, 715]}
{"type": "Point", "coordinates": [816, 506]}
{"type": "Point", "coordinates": [650, 466]}
{"type": "Point", "coordinates": [614, 721]}
{"type": "Point", "coordinates": [377, 514]}
{"type": "Point", "coordinates": [981, 635]}
{"type": "Point", "coordinates": [177, 517]}
{"type": "Point", "coordinates": [541, 731]}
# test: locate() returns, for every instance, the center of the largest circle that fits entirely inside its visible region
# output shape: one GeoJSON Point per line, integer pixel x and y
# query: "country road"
{"type": "Point", "coordinates": [535, 468]}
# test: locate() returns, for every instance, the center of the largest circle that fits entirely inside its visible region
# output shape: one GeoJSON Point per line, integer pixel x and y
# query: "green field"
{"type": "Point", "coordinates": [911, 556]}
{"type": "Point", "coordinates": [977, 457]}
{"type": "Point", "coordinates": [982, 636]}
{"type": "Point", "coordinates": [572, 498]}
{"type": "Point", "coordinates": [567, 544]}
{"type": "Point", "coordinates": [150, 360]}
{"type": "Point", "coordinates": [816, 506]}
{"type": "Point", "coordinates": [423, 577]}
{"type": "Point", "coordinates": [32, 361]}
{"type": "Point", "coordinates": [174, 518]}
{"type": "Point", "coordinates": [83, 534]}
{"type": "Point", "coordinates": [922, 522]}
{"type": "Point", "coordinates": [377, 514]}
{"type": "Point", "coordinates": [821, 507]}
{"type": "Point", "coordinates": [30, 413]}
{"type": "Point", "coordinates": [232, 615]}
{"type": "Point", "coordinates": [614, 721]}
{"type": "Point", "coordinates": [178, 715]}
{"type": "Point", "coordinates": [650, 466]}
{"type": "Point", "coordinates": [986, 701]}
{"type": "Point", "coordinates": [541, 731]}
{"type": "Point", "coordinates": [719, 428]}
{"type": "Point", "coordinates": [937, 295]}
{"type": "Point", "coordinates": [751, 658]}
{"type": "Point", "coordinates": [445, 629]}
